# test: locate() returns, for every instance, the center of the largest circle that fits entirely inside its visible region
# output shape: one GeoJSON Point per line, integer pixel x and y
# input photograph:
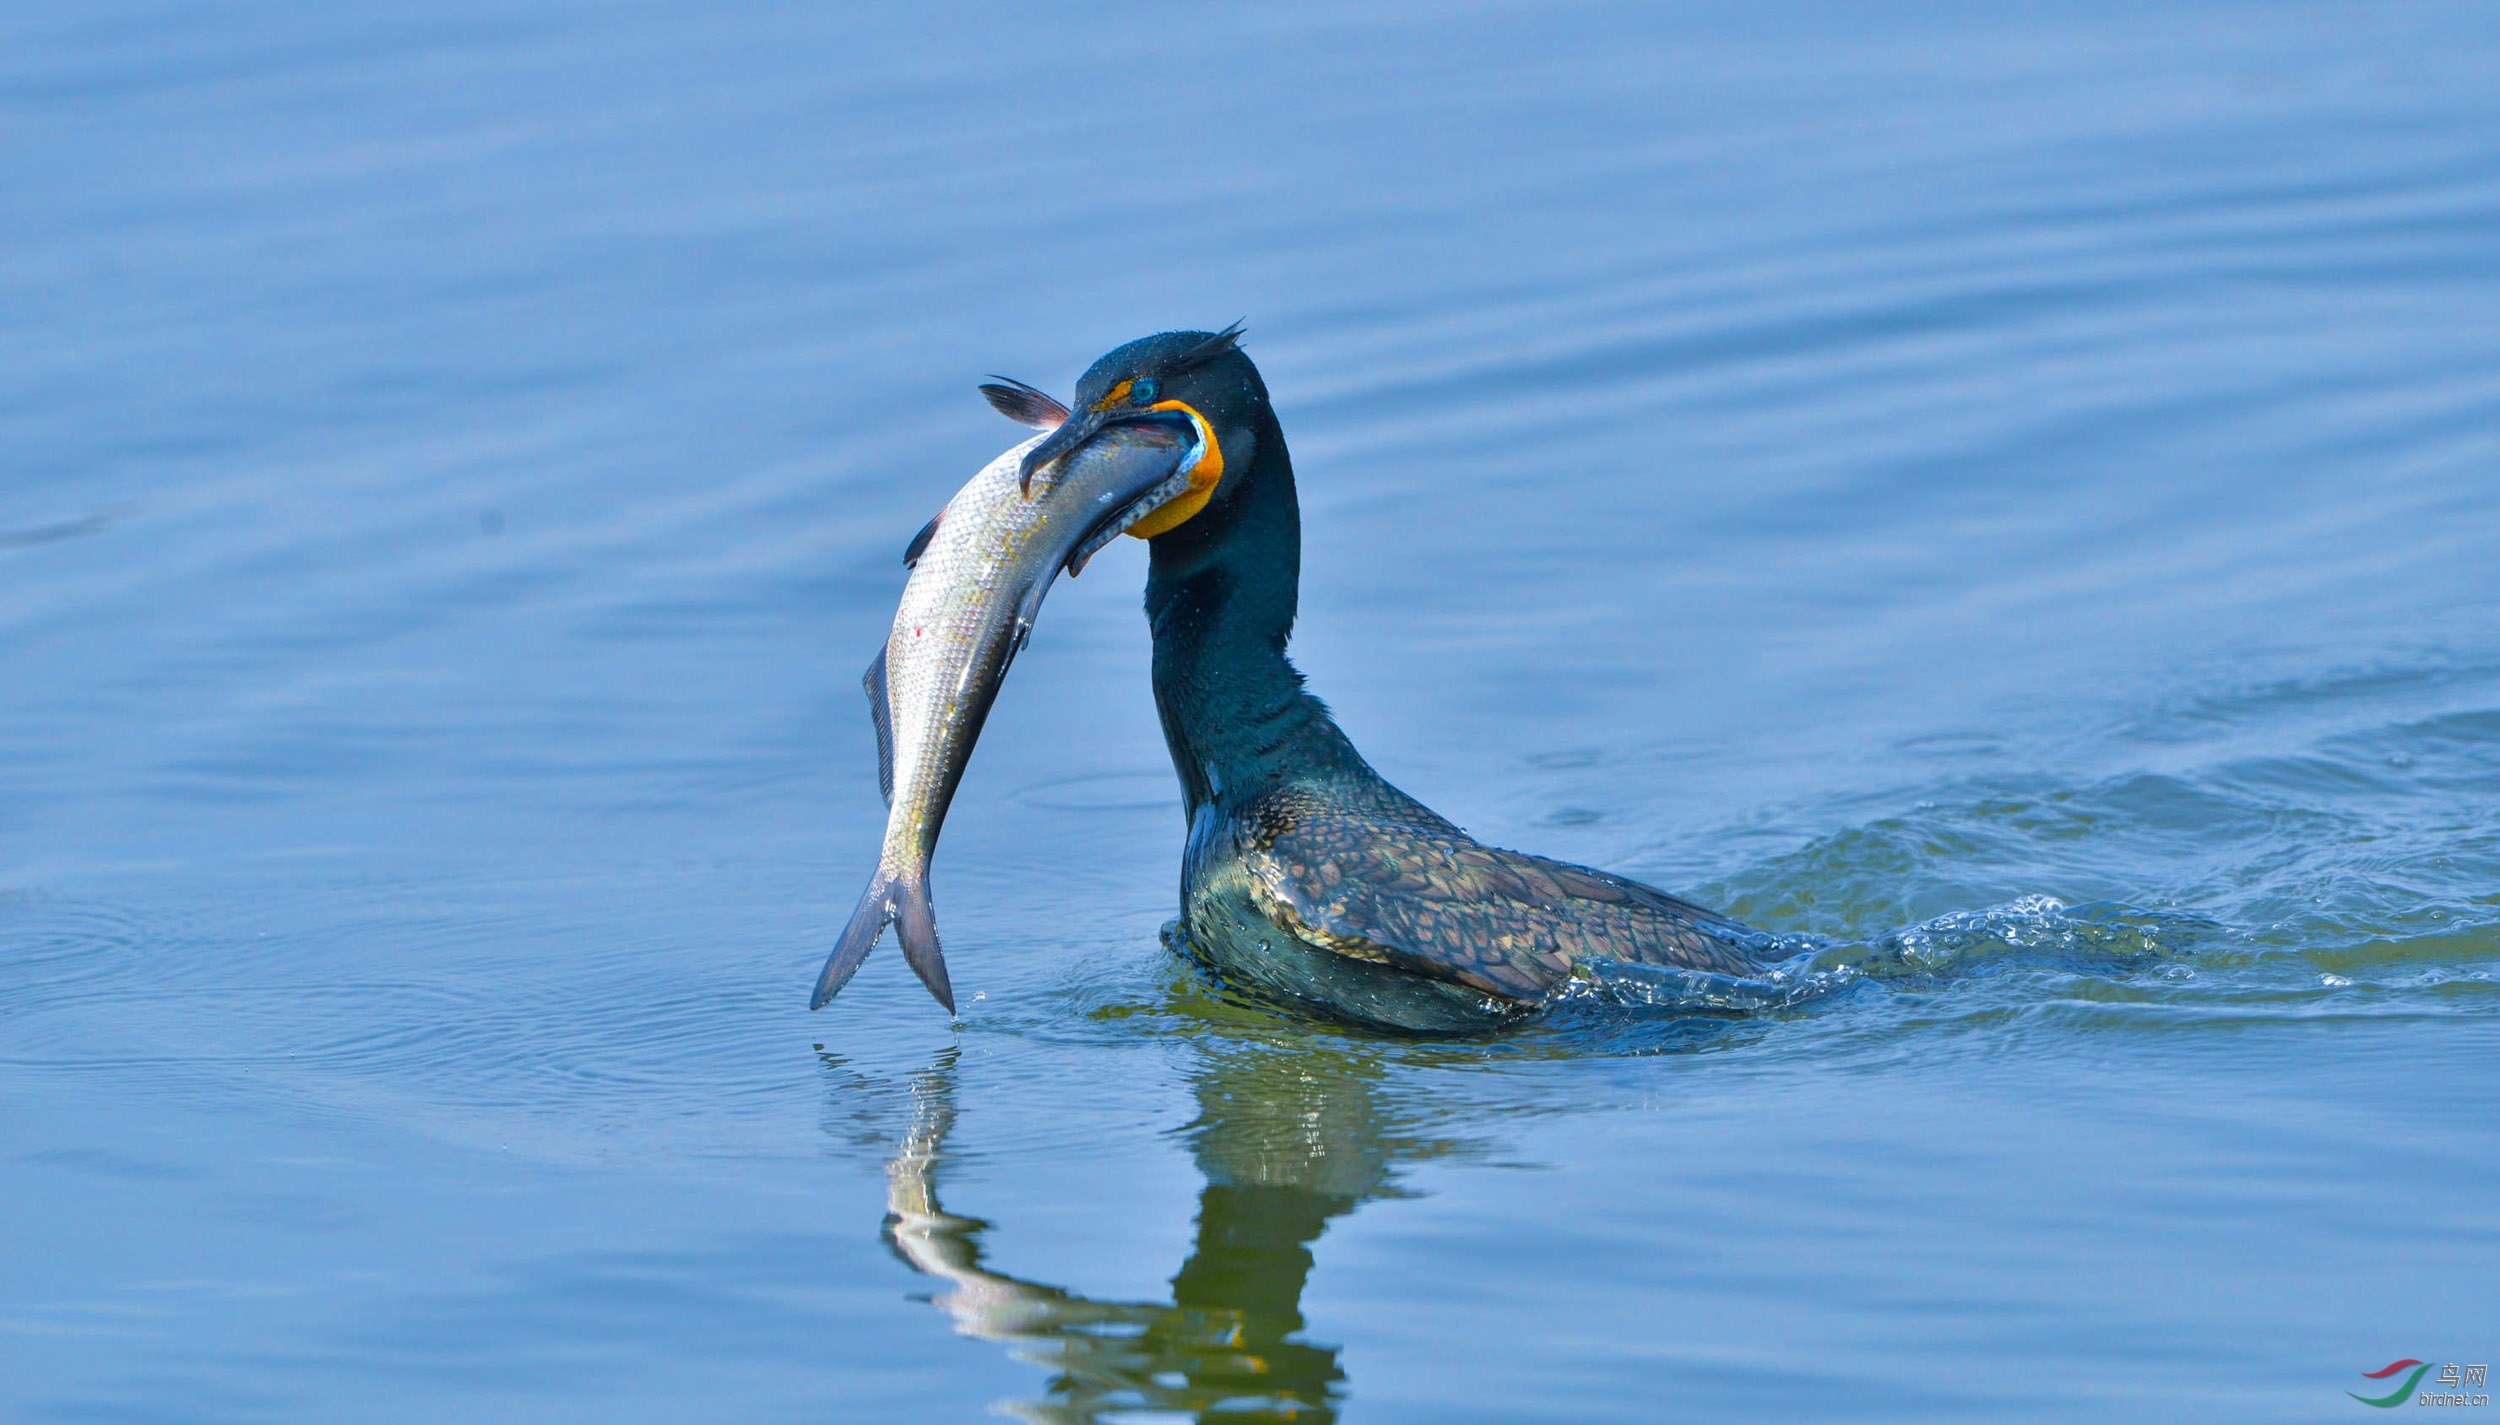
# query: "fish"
{"type": "Point", "coordinates": [979, 571]}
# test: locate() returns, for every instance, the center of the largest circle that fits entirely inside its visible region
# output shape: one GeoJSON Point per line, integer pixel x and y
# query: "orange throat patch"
{"type": "Point", "coordinates": [1203, 477]}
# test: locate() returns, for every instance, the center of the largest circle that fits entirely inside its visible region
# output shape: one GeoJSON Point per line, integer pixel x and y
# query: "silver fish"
{"type": "Point", "coordinates": [979, 571]}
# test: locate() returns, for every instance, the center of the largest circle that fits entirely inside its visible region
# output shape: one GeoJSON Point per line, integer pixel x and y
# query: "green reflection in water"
{"type": "Point", "coordinates": [1287, 1141]}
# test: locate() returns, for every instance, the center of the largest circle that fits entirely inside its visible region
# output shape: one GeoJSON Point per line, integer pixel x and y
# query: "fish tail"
{"type": "Point", "coordinates": [868, 923]}
{"type": "Point", "coordinates": [915, 924]}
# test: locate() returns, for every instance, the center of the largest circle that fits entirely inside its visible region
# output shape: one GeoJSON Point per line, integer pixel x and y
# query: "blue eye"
{"type": "Point", "coordinates": [1145, 390]}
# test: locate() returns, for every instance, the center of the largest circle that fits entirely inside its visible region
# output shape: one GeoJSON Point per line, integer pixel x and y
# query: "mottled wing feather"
{"type": "Point", "coordinates": [1380, 878]}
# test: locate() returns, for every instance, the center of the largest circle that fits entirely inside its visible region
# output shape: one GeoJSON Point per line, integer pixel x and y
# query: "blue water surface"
{"type": "Point", "coordinates": [2011, 492]}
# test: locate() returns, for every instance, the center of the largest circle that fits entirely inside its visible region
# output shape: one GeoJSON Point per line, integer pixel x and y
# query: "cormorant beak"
{"type": "Point", "coordinates": [1148, 477]}
{"type": "Point", "coordinates": [1072, 433]}
{"type": "Point", "coordinates": [1203, 467]}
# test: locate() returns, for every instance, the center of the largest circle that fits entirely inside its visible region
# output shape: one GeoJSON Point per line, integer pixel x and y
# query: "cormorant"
{"type": "Point", "coordinates": [1307, 876]}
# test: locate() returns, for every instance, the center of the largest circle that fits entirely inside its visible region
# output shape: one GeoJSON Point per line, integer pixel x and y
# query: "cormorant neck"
{"type": "Point", "coordinates": [1220, 596]}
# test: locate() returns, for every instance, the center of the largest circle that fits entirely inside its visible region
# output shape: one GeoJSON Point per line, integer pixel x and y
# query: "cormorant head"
{"type": "Point", "coordinates": [1200, 377]}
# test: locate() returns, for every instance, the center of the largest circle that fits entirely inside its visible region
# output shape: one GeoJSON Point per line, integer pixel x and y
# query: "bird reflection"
{"type": "Point", "coordinates": [1287, 1142]}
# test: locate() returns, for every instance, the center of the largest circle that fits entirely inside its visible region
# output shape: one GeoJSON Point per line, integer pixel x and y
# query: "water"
{"type": "Point", "coordinates": [2014, 495]}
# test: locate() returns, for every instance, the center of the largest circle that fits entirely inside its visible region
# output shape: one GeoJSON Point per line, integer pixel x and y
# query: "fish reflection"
{"type": "Point", "coordinates": [1287, 1143]}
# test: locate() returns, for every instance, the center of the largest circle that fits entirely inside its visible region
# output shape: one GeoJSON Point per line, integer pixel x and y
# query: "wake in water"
{"type": "Point", "coordinates": [2035, 930]}
{"type": "Point", "coordinates": [2346, 874]}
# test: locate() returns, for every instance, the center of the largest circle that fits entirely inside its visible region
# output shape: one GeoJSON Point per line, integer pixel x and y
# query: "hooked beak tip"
{"type": "Point", "coordinates": [1071, 434]}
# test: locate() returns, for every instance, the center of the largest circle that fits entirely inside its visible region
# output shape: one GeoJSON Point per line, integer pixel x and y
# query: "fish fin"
{"type": "Point", "coordinates": [915, 925]}
{"type": "Point", "coordinates": [881, 712]}
{"type": "Point", "coordinates": [1028, 612]}
{"type": "Point", "coordinates": [920, 542]}
{"type": "Point", "coordinates": [868, 923]}
{"type": "Point", "coordinates": [1029, 405]}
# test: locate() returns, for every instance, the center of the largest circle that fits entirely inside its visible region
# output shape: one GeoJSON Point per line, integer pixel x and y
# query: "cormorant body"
{"type": "Point", "coordinates": [1307, 876]}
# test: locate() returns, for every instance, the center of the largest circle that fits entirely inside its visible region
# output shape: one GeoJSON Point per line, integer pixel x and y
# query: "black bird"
{"type": "Point", "coordinates": [1307, 876]}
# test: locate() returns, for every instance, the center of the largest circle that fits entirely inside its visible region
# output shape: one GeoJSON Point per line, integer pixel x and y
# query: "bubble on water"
{"type": "Point", "coordinates": [2333, 982]}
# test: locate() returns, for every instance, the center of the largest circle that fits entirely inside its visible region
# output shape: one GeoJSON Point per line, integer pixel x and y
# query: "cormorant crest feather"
{"type": "Point", "coordinates": [1208, 350]}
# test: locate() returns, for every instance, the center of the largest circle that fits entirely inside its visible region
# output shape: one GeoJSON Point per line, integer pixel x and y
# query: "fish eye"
{"type": "Point", "coordinates": [1145, 390]}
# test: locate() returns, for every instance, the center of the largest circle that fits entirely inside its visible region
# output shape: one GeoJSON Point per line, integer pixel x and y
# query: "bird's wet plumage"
{"type": "Point", "coordinates": [1369, 873]}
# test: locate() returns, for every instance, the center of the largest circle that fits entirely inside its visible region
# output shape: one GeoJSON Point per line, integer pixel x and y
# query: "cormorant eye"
{"type": "Point", "coordinates": [1144, 391]}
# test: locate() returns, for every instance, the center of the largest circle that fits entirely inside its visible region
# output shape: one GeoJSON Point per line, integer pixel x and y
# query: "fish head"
{"type": "Point", "coordinates": [1199, 380]}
